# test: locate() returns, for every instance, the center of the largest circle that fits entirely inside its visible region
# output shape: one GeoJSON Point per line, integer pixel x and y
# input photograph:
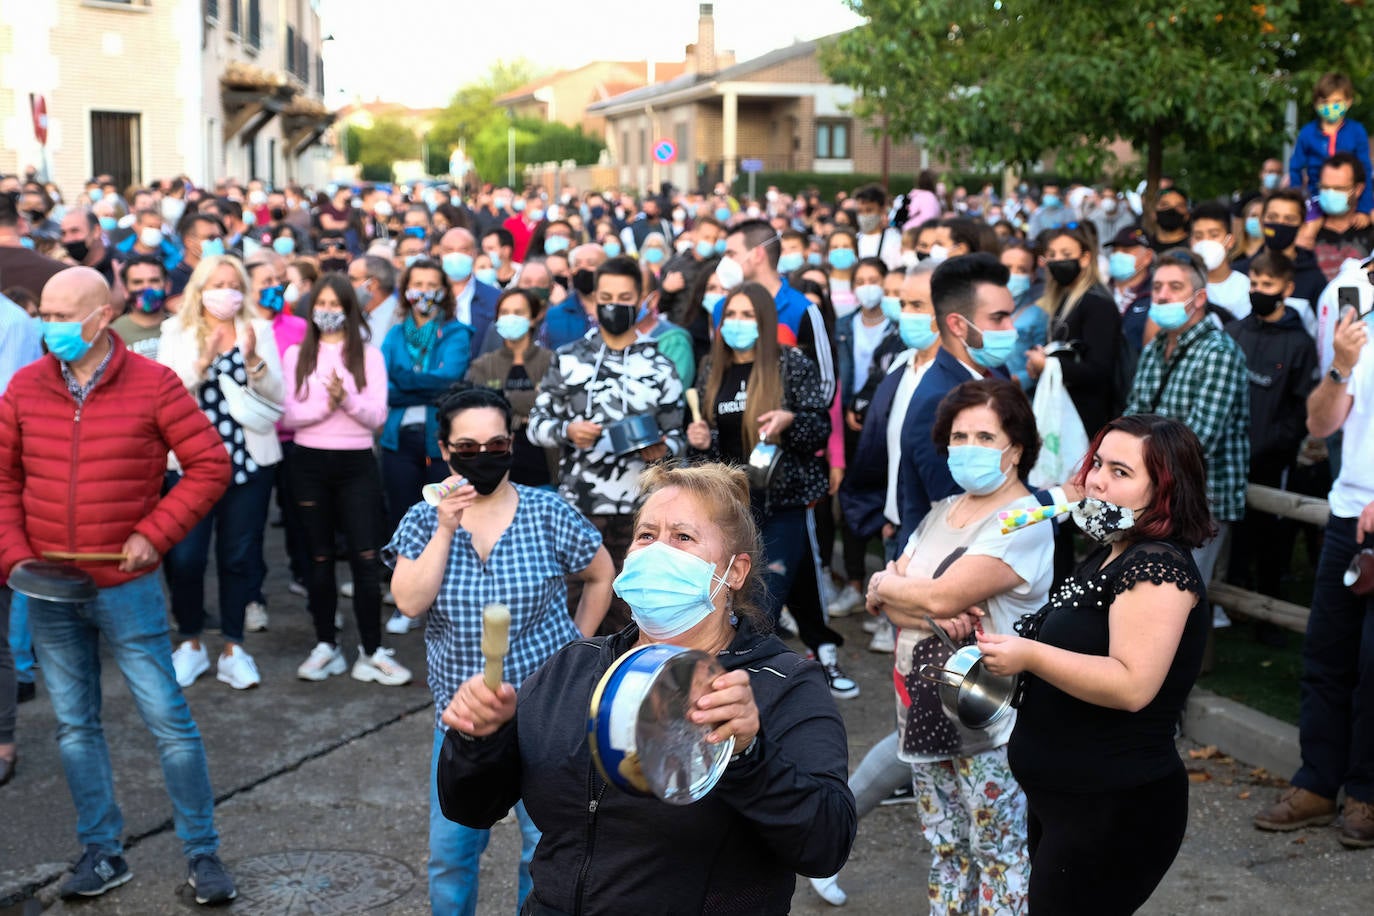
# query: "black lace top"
{"type": "Point", "coordinates": [1066, 744]}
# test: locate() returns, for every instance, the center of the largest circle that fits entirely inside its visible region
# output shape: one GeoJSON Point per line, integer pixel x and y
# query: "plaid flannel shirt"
{"type": "Point", "coordinates": [1208, 389]}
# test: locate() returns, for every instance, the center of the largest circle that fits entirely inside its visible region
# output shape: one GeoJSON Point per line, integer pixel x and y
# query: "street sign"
{"type": "Point", "coordinates": [40, 118]}
{"type": "Point", "coordinates": [664, 151]}
{"type": "Point", "coordinates": [751, 165]}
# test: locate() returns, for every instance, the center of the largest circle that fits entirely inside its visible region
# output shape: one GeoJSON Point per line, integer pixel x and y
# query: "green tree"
{"type": "Point", "coordinates": [1010, 82]}
{"type": "Point", "coordinates": [473, 111]}
{"type": "Point", "coordinates": [379, 146]}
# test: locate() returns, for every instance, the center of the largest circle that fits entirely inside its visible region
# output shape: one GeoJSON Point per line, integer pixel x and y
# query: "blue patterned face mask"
{"type": "Point", "coordinates": [669, 591]}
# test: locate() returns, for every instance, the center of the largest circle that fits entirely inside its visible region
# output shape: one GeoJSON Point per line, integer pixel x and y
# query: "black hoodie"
{"type": "Point", "coordinates": [1282, 360]}
{"type": "Point", "coordinates": [783, 809]}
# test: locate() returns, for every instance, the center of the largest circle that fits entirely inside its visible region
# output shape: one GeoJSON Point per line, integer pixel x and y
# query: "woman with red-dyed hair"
{"type": "Point", "coordinates": [1106, 667]}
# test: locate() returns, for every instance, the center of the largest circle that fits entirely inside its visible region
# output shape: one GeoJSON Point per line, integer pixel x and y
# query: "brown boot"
{"type": "Point", "coordinates": [1357, 824]}
{"type": "Point", "coordinates": [1297, 808]}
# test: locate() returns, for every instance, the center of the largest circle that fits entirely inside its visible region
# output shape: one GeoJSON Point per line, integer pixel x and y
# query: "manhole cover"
{"type": "Point", "coordinates": [319, 882]}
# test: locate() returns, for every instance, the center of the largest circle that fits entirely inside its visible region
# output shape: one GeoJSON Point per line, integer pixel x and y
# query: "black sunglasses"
{"type": "Point", "coordinates": [467, 448]}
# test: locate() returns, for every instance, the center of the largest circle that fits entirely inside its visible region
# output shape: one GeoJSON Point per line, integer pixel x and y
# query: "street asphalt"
{"type": "Point", "coordinates": [322, 804]}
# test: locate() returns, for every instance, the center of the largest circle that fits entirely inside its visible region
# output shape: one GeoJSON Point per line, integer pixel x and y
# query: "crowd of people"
{"type": "Point", "coordinates": [644, 419]}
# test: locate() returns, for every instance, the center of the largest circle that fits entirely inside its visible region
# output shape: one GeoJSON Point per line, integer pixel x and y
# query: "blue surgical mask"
{"type": "Point", "coordinates": [1253, 227]}
{"type": "Point", "coordinates": [495, 259]}
{"type": "Point", "coordinates": [485, 275]}
{"type": "Point", "coordinates": [709, 301]}
{"type": "Point", "coordinates": [1333, 202]}
{"type": "Point", "coordinates": [518, 204]}
{"type": "Point", "coordinates": [720, 246]}
{"type": "Point", "coordinates": [814, 259]}
{"type": "Point", "coordinates": [512, 327]}
{"type": "Point", "coordinates": [96, 194]}
{"type": "Point", "coordinates": [211, 248]}
{"type": "Point", "coordinates": [363, 294]}
{"type": "Point", "coordinates": [1120, 265]}
{"type": "Point", "coordinates": [1018, 285]}
{"type": "Point", "coordinates": [739, 333]}
{"type": "Point", "coordinates": [1170, 316]}
{"type": "Point", "coordinates": [1270, 180]}
{"type": "Point", "coordinates": [842, 258]}
{"type": "Point", "coordinates": [1050, 200]}
{"type": "Point", "coordinates": [790, 261]}
{"type": "Point", "coordinates": [705, 249]}
{"type": "Point", "coordinates": [652, 255]}
{"type": "Point", "coordinates": [612, 248]}
{"type": "Point", "coordinates": [284, 245]}
{"type": "Point", "coordinates": [412, 258]}
{"type": "Point", "coordinates": [273, 297]}
{"type": "Point", "coordinates": [669, 591]}
{"type": "Point", "coordinates": [870, 295]}
{"type": "Point", "coordinates": [109, 223]}
{"type": "Point", "coordinates": [977, 468]}
{"type": "Point", "coordinates": [917, 329]}
{"type": "Point", "coordinates": [457, 265]}
{"type": "Point", "coordinates": [722, 214]}
{"type": "Point", "coordinates": [892, 308]}
{"type": "Point", "coordinates": [997, 346]}
{"type": "Point", "coordinates": [64, 340]}
{"type": "Point", "coordinates": [555, 244]}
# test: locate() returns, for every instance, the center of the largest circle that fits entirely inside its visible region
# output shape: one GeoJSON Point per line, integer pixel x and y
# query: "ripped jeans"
{"type": "Point", "coordinates": [790, 573]}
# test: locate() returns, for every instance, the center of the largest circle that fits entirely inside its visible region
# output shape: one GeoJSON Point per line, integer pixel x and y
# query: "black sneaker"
{"type": "Point", "coordinates": [25, 691]}
{"type": "Point", "coordinates": [95, 873]}
{"type": "Point", "coordinates": [902, 795]}
{"type": "Point", "coordinates": [210, 879]}
{"type": "Point", "coordinates": [842, 686]}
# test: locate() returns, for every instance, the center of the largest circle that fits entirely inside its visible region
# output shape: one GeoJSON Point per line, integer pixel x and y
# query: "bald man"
{"type": "Point", "coordinates": [575, 315]}
{"type": "Point", "coordinates": [474, 301]}
{"type": "Point", "coordinates": [84, 437]}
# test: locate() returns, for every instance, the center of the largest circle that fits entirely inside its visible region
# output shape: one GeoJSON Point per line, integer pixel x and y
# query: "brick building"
{"type": "Point", "coordinates": [144, 89]}
{"type": "Point", "coordinates": [779, 108]}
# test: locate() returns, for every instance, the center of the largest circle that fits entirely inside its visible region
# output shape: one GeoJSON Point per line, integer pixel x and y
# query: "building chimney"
{"type": "Point", "coordinates": [705, 49]}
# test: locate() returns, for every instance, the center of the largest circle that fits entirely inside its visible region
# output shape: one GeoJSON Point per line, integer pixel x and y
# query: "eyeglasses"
{"type": "Point", "coordinates": [467, 448]}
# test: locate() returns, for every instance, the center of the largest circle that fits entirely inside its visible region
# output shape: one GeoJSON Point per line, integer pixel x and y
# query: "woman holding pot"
{"type": "Point", "coordinates": [781, 805]}
{"type": "Point", "coordinates": [972, 811]}
{"type": "Point", "coordinates": [1107, 665]}
{"type": "Point", "coordinates": [761, 399]}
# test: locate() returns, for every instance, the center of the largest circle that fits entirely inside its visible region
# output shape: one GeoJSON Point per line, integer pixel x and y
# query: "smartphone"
{"type": "Point", "coordinates": [1347, 297]}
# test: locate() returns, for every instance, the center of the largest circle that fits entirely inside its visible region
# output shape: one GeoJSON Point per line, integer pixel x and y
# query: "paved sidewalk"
{"type": "Point", "coordinates": [323, 805]}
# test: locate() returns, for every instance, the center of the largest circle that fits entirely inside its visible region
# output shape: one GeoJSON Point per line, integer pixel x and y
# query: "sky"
{"type": "Point", "coordinates": [418, 52]}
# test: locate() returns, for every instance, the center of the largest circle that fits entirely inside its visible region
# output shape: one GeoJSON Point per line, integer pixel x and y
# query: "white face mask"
{"type": "Point", "coordinates": [729, 273]}
{"type": "Point", "coordinates": [1212, 252]}
{"type": "Point", "coordinates": [938, 254]}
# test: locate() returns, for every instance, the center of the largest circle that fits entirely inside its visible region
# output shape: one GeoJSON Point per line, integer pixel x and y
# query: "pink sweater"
{"type": "Point", "coordinates": [348, 427]}
{"type": "Point", "coordinates": [288, 330]}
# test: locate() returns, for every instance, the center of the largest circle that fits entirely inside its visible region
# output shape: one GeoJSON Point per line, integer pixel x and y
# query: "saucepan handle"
{"type": "Point", "coordinates": [940, 632]}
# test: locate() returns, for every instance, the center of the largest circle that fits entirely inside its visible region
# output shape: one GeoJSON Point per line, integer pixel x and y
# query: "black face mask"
{"type": "Point", "coordinates": [584, 281]}
{"type": "Point", "coordinates": [616, 319]}
{"type": "Point", "coordinates": [484, 471]}
{"type": "Point", "coordinates": [1171, 220]}
{"type": "Point", "coordinates": [1264, 304]}
{"type": "Point", "coordinates": [78, 250]}
{"type": "Point", "coordinates": [331, 264]}
{"type": "Point", "coordinates": [1278, 237]}
{"type": "Point", "coordinates": [598, 212]}
{"type": "Point", "coordinates": [564, 282]}
{"type": "Point", "coordinates": [276, 214]}
{"type": "Point", "coordinates": [1065, 271]}
{"type": "Point", "coordinates": [922, 255]}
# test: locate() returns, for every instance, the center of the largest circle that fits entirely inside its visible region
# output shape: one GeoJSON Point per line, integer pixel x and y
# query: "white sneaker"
{"type": "Point", "coordinates": [787, 624]}
{"type": "Point", "coordinates": [842, 686]}
{"type": "Point", "coordinates": [884, 639]}
{"type": "Point", "coordinates": [237, 669]}
{"type": "Point", "coordinates": [189, 663]}
{"type": "Point", "coordinates": [846, 602]}
{"type": "Point", "coordinates": [346, 589]}
{"type": "Point", "coordinates": [872, 624]}
{"type": "Point", "coordinates": [297, 587]}
{"type": "Point", "coordinates": [829, 890]}
{"type": "Point", "coordinates": [255, 617]}
{"type": "Point", "coordinates": [381, 668]}
{"type": "Point", "coordinates": [324, 660]}
{"type": "Point", "coordinates": [399, 624]}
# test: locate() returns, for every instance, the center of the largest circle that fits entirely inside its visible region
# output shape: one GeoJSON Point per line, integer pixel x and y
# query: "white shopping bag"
{"type": "Point", "coordinates": [1063, 440]}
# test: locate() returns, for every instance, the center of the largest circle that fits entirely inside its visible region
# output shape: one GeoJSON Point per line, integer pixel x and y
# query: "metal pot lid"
{"type": "Point", "coordinates": [44, 580]}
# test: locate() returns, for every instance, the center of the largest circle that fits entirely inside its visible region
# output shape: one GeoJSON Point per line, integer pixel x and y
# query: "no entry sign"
{"type": "Point", "coordinates": [665, 151]}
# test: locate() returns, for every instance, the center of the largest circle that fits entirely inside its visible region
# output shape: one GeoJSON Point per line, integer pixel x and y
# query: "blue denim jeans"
{"type": "Point", "coordinates": [237, 523]}
{"type": "Point", "coordinates": [21, 641]}
{"type": "Point", "coordinates": [455, 853]}
{"type": "Point", "coordinates": [1336, 718]}
{"type": "Point", "coordinates": [132, 619]}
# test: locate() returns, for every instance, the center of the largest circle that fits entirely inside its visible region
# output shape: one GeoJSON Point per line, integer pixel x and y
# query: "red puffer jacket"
{"type": "Point", "coordinates": [84, 480]}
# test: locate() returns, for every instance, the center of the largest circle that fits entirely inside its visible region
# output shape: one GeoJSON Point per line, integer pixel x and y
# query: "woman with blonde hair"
{"type": "Point", "coordinates": [228, 360]}
{"type": "Point", "coordinates": [1085, 326]}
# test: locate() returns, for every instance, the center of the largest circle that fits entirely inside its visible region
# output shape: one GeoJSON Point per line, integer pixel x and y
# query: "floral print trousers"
{"type": "Point", "coordinates": [973, 814]}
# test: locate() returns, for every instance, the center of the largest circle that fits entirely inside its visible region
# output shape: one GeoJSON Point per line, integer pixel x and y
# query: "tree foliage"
{"type": "Point", "coordinates": [1011, 82]}
{"type": "Point", "coordinates": [379, 146]}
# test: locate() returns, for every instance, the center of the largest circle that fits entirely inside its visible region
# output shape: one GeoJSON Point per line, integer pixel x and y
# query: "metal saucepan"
{"type": "Point", "coordinates": [763, 462]}
{"type": "Point", "coordinates": [43, 580]}
{"type": "Point", "coordinates": [1359, 576]}
{"type": "Point", "coordinates": [641, 739]}
{"type": "Point", "coordinates": [968, 691]}
{"type": "Point", "coordinates": [633, 433]}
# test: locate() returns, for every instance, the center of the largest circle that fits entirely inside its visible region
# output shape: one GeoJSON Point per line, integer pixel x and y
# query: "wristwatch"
{"type": "Point", "coordinates": [1335, 375]}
